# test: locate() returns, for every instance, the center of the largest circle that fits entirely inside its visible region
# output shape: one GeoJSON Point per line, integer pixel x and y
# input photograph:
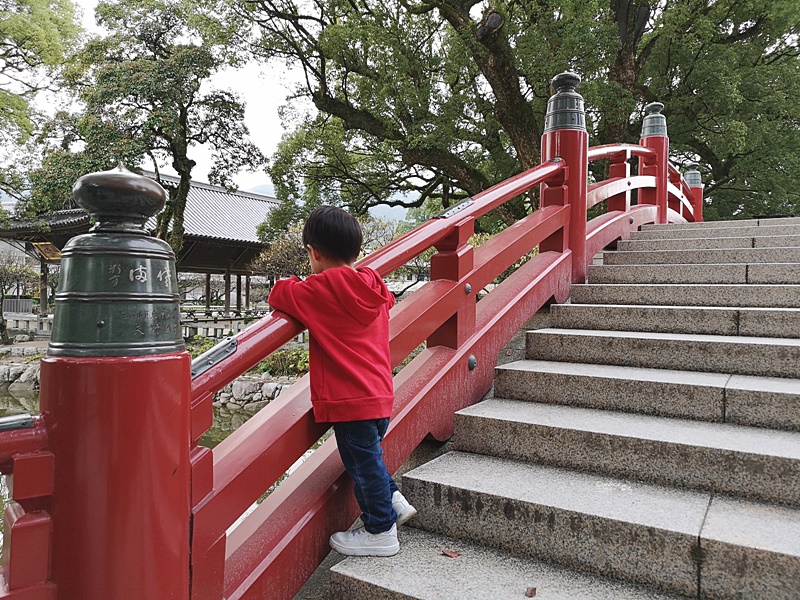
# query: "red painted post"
{"type": "Point", "coordinates": [565, 137]}
{"type": "Point", "coordinates": [454, 259]}
{"type": "Point", "coordinates": [695, 182]}
{"type": "Point", "coordinates": [654, 136]}
{"type": "Point", "coordinates": [115, 392]}
{"type": "Point", "coordinates": [620, 167]}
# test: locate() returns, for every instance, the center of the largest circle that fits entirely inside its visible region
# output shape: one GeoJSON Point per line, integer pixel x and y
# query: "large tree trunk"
{"type": "Point", "coordinates": [494, 56]}
{"type": "Point", "coordinates": [631, 18]}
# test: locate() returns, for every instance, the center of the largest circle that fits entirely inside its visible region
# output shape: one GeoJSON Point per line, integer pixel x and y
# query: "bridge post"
{"type": "Point", "coordinates": [695, 181]}
{"type": "Point", "coordinates": [654, 136]}
{"type": "Point", "coordinates": [454, 259]}
{"type": "Point", "coordinates": [565, 137]}
{"type": "Point", "coordinates": [115, 393]}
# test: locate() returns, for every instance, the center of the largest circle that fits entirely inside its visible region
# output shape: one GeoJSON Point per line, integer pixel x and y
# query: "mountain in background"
{"type": "Point", "coordinates": [390, 213]}
{"type": "Point", "coordinates": [267, 189]}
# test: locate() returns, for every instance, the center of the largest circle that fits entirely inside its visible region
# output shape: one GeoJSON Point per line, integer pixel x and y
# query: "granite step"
{"type": "Point", "coordinates": [767, 241]}
{"type": "Point", "coordinates": [764, 222]}
{"type": "Point", "coordinates": [701, 243]}
{"type": "Point", "coordinates": [750, 550]}
{"type": "Point", "coordinates": [701, 225]}
{"type": "Point", "coordinates": [617, 528]}
{"type": "Point", "coordinates": [421, 571]}
{"type": "Point", "coordinates": [738, 355]}
{"type": "Point", "coordinates": [706, 257]}
{"type": "Point", "coordinates": [764, 273]}
{"type": "Point", "coordinates": [741, 399]}
{"type": "Point", "coordinates": [723, 230]}
{"type": "Point", "coordinates": [691, 294]}
{"type": "Point", "coordinates": [757, 322]}
{"type": "Point", "coordinates": [747, 462]}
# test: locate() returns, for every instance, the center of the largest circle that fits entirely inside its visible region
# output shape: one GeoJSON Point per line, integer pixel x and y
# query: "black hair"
{"type": "Point", "coordinates": [334, 233]}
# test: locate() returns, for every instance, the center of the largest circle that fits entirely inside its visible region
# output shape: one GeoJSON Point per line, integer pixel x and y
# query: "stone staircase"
{"type": "Point", "coordinates": [648, 446]}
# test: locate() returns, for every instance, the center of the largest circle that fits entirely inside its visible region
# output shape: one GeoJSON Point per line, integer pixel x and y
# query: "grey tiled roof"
{"type": "Point", "coordinates": [63, 219]}
{"type": "Point", "coordinates": [214, 212]}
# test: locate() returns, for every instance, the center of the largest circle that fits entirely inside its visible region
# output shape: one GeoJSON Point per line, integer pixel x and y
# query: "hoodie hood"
{"type": "Point", "coordinates": [361, 292]}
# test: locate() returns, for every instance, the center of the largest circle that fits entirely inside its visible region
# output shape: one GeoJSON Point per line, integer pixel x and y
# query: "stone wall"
{"type": "Point", "coordinates": [20, 377]}
{"type": "Point", "coordinates": [241, 399]}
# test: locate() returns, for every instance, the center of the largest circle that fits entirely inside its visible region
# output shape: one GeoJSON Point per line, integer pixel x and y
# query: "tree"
{"type": "Point", "coordinates": [13, 272]}
{"type": "Point", "coordinates": [285, 256]}
{"type": "Point", "coordinates": [435, 98]}
{"type": "Point", "coordinates": [143, 89]}
{"type": "Point", "coordinates": [35, 35]}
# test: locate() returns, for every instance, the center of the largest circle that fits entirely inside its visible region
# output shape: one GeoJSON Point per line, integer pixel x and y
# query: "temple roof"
{"type": "Point", "coordinates": [216, 213]}
{"type": "Point", "coordinates": [220, 227]}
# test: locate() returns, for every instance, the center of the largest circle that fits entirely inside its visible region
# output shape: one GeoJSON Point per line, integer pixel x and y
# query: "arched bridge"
{"type": "Point", "coordinates": [114, 498]}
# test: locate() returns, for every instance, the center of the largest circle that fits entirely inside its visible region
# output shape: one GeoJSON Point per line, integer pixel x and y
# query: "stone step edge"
{"type": "Point", "coordinates": [697, 508]}
{"type": "Point", "coordinates": [662, 450]}
{"type": "Point", "coordinates": [422, 571]}
{"type": "Point", "coordinates": [734, 321]}
{"type": "Point", "coordinates": [649, 375]}
{"type": "Point", "coordinates": [753, 401]}
{"type": "Point", "coordinates": [731, 224]}
{"type": "Point", "coordinates": [683, 251]}
{"type": "Point", "coordinates": [741, 355]}
{"type": "Point", "coordinates": [747, 241]}
{"type": "Point", "coordinates": [730, 295]}
{"type": "Point", "coordinates": [654, 335]}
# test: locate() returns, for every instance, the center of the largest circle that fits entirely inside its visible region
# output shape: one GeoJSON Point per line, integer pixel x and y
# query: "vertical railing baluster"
{"type": "Point", "coordinates": [620, 167]}
{"type": "Point", "coordinates": [454, 259]}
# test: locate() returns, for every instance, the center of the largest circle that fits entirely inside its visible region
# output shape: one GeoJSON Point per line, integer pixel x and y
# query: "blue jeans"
{"type": "Point", "coordinates": [360, 448]}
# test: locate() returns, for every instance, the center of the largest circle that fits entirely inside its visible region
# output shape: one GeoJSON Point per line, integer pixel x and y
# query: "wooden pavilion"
{"type": "Point", "coordinates": [220, 235]}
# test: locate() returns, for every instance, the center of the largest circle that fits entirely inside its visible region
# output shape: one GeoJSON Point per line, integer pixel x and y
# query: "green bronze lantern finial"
{"type": "Point", "coordinates": [118, 288]}
{"type": "Point", "coordinates": [565, 107]}
{"type": "Point", "coordinates": [654, 123]}
{"type": "Point", "coordinates": [119, 200]}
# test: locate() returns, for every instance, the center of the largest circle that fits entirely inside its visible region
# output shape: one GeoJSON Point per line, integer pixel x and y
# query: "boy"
{"type": "Point", "coordinates": [346, 311]}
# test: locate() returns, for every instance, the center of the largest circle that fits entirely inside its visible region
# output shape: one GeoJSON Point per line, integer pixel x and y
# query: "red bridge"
{"type": "Point", "coordinates": [114, 498]}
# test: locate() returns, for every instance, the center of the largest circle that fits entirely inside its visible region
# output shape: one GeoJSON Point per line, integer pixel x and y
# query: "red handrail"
{"type": "Point", "coordinates": [270, 333]}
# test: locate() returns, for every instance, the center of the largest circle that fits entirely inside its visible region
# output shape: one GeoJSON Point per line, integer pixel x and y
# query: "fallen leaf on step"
{"type": "Point", "coordinates": [531, 592]}
{"type": "Point", "coordinates": [450, 554]}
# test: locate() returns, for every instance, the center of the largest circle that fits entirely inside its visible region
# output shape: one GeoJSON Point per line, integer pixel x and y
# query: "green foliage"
{"type": "Point", "coordinates": [13, 272]}
{"type": "Point", "coordinates": [285, 256]}
{"type": "Point", "coordinates": [199, 344]}
{"type": "Point", "coordinates": [34, 36]}
{"type": "Point", "coordinates": [727, 74]}
{"type": "Point", "coordinates": [144, 92]}
{"type": "Point", "coordinates": [420, 100]}
{"type": "Point", "coordinates": [283, 362]}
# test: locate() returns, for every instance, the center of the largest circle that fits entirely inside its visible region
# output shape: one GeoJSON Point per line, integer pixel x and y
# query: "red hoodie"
{"type": "Point", "coordinates": [346, 312]}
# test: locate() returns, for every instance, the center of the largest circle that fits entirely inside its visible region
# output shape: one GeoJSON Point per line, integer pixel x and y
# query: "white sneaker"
{"type": "Point", "coordinates": [403, 509]}
{"type": "Point", "coordinates": [360, 542]}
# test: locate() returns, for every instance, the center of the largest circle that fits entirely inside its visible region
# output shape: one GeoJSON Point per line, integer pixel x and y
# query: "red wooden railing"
{"type": "Point", "coordinates": [274, 551]}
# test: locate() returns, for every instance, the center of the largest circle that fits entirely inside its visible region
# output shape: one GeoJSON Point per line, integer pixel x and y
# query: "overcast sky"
{"type": "Point", "coordinates": [263, 92]}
